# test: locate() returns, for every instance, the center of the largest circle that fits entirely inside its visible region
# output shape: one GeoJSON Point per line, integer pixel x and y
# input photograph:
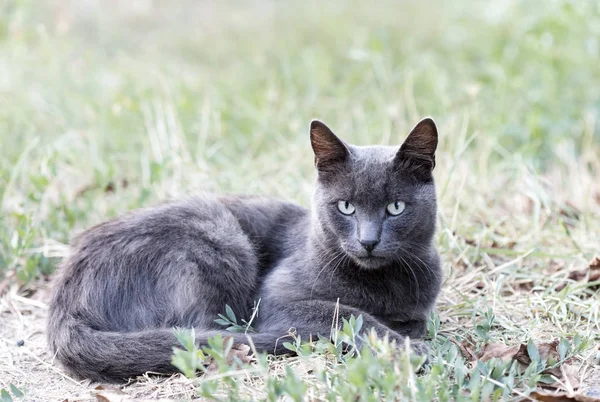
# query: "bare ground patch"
{"type": "Point", "coordinates": [31, 367]}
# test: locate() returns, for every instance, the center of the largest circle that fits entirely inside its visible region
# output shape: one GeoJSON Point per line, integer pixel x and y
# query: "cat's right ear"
{"type": "Point", "coordinates": [328, 148]}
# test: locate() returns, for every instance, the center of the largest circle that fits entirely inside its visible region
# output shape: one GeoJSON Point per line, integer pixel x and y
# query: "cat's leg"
{"type": "Point", "coordinates": [414, 328]}
{"type": "Point", "coordinates": [310, 318]}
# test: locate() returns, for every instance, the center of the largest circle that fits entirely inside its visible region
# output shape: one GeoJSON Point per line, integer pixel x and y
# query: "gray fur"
{"type": "Point", "coordinates": [127, 282]}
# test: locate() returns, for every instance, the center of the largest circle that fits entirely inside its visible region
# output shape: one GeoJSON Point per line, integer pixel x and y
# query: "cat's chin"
{"type": "Point", "coordinates": [370, 262]}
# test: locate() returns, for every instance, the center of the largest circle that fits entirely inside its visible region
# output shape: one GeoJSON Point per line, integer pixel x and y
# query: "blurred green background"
{"type": "Point", "coordinates": [108, 105]}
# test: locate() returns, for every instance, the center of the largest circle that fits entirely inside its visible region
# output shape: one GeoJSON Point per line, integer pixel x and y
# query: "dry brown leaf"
{"type": "Point", "coordinates": [570, 213]}
{"type": "Point", "coordinates": [561, 397]}
{"type": "Point", "coordinates": [499, 351]}
{"type": "Point", "coordinates": [525, 285]}
{"type": "Point", "coordinates": [593, 269]}
{"type": "Point", "coordinates": [555, 265]}
{"type": "Point", "coordinates": [107, 393]}
{"type": "Point", "coordinates": [238, 351]}
{"type": "Point", "coordinates": [595, 266]}
{"type": "Point", "coordinates": [547, 350]}
{"type": "Point", "coordinates": [510, 245]}
{"type": "Point", "coordinates": [471, 242]}
{"type": "Point", "coordinates": [465, 349]}
{"type": "Point", "coordinates": [566, 374]}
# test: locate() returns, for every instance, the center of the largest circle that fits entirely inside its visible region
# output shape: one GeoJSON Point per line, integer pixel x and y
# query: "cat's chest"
{"type": "Point", "coordinates": [385, 299]}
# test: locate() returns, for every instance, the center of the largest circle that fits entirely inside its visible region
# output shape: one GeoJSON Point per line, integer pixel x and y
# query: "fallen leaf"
{"type": "Point", "coordinates": [570, 213]}
{"type": "Point", "coordinates": [110, 394]}
{"type": "Point", "coordinates": [560, 397]}
{"type": "Point", "coordinates": [499, 351]}
{"type": "Point", "coordinates": [471, 242]}
{"type": "Point", "coordinates": [593, 270]}
{"type": "Point", "coordinates": [464, 348]}
{"type": "Point", "coordinates": [566, 375]}
{"type": "Point", "coordinates": [238, 351]}
{"type": "Point", "coordinates": [525, 285]}
{"type": "Point", "coordinates": [241, 352]}
{"type": "Point", "coordinates": [510, 245]}
{"type": "Point", "coordinates": [555, 266]}
{"type": "Point", "coordinates": [547, 351]}
{"type": "Point", "coordinates": [110, 187]}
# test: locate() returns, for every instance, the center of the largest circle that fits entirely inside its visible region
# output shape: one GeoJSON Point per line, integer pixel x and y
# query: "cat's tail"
{"type": "Point", "coordinates": [116, 356]}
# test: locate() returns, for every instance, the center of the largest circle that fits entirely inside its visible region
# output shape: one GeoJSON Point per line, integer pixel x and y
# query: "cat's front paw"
{"type": "Point", "coordinates": [418, 347]}
{"type": "Point", "coordinates": [421, 349]}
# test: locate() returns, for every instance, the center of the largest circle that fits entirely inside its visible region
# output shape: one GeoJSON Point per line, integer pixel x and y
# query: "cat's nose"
{"type": "Point", "coordinates": [369, 245]}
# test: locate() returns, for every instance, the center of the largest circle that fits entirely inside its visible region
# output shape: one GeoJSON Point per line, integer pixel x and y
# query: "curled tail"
{"type": "Point", "coordinates": [116, 356]}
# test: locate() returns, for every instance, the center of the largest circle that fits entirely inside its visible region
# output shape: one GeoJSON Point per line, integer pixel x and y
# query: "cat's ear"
{"type": "Point", "coordinates": [328, 148]}
{"type": "Point", "coordinates": [417, 153]}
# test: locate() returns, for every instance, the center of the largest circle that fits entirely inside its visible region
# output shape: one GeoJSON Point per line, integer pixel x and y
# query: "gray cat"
{"type": "Point", "coordinates": [368, 242]}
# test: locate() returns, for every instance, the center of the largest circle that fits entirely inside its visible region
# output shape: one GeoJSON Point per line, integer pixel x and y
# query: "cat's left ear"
{"type": "Point", "coordinates": [417, 153]}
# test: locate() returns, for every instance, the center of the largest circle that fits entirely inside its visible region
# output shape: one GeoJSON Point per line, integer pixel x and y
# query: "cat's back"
{"type": "Point", "coordinates": [261, 219]}
{"type": "Point", "coordinates": [162, 223]}
{"type": "Point", "coordinates": [259, 213]}
{"type": "Point", "coordinates": [275, 227]}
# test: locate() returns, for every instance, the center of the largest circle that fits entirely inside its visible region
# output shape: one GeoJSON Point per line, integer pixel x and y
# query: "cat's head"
{"type": "Point", "coordinates": [378, 202]}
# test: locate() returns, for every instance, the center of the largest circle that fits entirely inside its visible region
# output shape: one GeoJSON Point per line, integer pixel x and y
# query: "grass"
{"type": "Point", "coordinates": [106, 107]}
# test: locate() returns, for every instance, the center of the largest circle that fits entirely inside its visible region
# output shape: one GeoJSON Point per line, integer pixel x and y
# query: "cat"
{"type": "Point", "coordinates": [365, 248]}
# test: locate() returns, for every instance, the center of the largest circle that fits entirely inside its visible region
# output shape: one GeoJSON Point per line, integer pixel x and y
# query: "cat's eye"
{"type": "Point", "coordinates": [346, 207]}
{"type": "Point", "coordinates": [395, 208]}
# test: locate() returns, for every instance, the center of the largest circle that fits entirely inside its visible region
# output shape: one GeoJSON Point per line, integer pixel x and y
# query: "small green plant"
{"type": "Point", "coordinates": [230, 321]}
{"type": "Point", "coordinates": [11, 394]}
{"type": "Point", "coordinates": [190, 359]}
{"type": "Point", "coordinates": [355, 364]}
{"type": "Point", "coordinates": [483, 327]}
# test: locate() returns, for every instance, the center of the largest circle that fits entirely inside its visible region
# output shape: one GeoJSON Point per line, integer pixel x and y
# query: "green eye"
{"type": "Point", "coordinates": [395, 208]}
{"type": "Point", "coordinates": [346, 207]}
